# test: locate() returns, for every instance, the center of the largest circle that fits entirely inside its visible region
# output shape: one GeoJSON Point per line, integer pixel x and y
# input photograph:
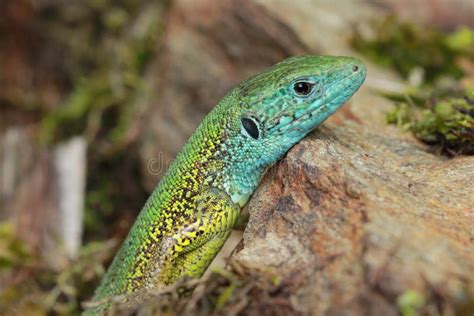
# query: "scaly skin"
{"type": "Point", "coordinates": [191, 213]}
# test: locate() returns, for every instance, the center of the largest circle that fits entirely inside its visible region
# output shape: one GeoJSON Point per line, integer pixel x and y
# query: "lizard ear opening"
{"type": "Point", "coordinates": [251, 127]}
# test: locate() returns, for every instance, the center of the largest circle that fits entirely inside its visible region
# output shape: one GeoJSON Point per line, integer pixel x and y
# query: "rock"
{"type": "Point", "coordinates": [42, 191]}
{"type": "Point", "coordinates": [70, 166]}
{"type": "Point", "coordinates": [28, 192]}
{"type": "Point", "coordinates": [363, 219]}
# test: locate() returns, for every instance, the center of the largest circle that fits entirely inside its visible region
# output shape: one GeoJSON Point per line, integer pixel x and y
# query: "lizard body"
{"type": "Point", "coordinates": [192, 211]}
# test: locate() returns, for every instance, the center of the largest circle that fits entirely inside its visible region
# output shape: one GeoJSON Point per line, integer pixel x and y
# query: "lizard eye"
{"type": "Point", "coordinates": [303, 88]}
{"type": "Point", "coordinates": [250, 127]}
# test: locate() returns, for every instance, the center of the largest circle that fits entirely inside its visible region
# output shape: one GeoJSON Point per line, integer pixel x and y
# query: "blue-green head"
{"type": "Point", "coordinates": [286, 102]}
{"type": "Point", "coordinates": [274, 110]}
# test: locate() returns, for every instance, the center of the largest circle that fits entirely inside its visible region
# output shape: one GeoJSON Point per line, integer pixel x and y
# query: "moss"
{"type": "Point", "coordinates": [114, 195]}
{"type": "Point", "coordinates": [13, 252]}
{"type": "Point", "coordinates": [226, 295]}
{"type": "Point", "coordinates": [45, 291]}
{"type": "Point", "coordinates": [447, 121]}
{"type": "Point", "coordinates": [410, 302]}
{"type": "Point", "coordinates": [108, 76]}
{"type": "Point", "coordinates": [438, 109]}
{"type": "Point", "coordinates": [404, 47]}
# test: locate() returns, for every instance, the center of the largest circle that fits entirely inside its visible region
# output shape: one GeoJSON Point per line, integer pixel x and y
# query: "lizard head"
{"type": "Point", "coordinates": [278, 107]}
{"type": "Point", "coordinates": [269, 113]}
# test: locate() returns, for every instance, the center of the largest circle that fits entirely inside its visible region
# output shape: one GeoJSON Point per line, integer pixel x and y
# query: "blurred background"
{"type": "Point", "coordinates": [98, 96]}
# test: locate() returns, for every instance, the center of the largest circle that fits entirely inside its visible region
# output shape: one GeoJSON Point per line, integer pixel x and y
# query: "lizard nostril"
{"type": "Point", "coordinates": [355, 68]}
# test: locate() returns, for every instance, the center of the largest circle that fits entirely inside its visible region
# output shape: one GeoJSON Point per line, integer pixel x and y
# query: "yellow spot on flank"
{"type": "Point", "coordinates": [186, 242]}
{"type": "Point", "coordinates": [190, 234]}
{"type": "Point", "coordinates": [137, 274]}
{"type": "Point", "coordinates": [154, 236]}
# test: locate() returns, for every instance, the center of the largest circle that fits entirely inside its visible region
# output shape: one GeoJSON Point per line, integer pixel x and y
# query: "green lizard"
{"type": "Point", "coordinates": [192, 211]}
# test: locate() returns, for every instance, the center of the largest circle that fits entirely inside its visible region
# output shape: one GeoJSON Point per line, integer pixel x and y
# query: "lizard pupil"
{"type": "Point", "coordinates": [303, 88]}
{"type": "Point", "coordinates": [250, 127]}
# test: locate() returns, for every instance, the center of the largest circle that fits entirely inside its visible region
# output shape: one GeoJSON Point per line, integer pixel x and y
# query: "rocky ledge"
{"type": "Point", "coordinates": [366, 224]}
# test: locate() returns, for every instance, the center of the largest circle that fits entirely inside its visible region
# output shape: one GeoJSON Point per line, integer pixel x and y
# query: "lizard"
{"type": "Point", "coordinates": [195, 206]}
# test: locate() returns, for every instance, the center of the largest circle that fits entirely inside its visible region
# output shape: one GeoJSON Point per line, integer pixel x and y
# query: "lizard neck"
{"type": "Point", "coordinates": [241, 172]}
{"type": "Point", "coordinates": [230, 166]}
